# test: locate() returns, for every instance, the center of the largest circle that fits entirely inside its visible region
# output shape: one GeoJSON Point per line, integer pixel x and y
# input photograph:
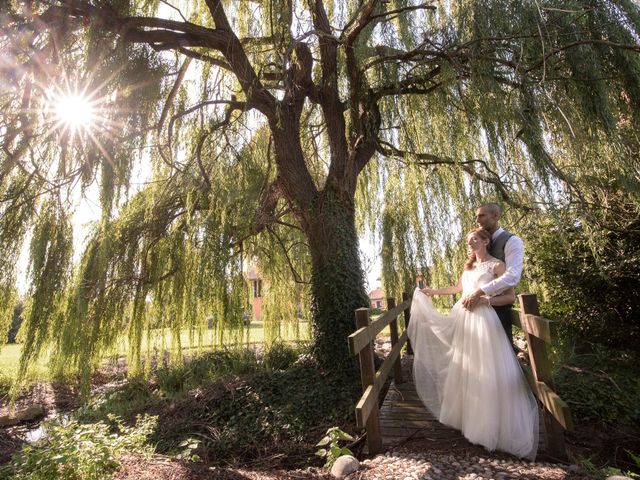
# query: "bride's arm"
{"type": "Point", "coordinates": [443, 291]}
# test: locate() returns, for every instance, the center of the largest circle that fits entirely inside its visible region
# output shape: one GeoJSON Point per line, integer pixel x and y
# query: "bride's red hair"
{"type": "Point", "coordinates": [484, 235]}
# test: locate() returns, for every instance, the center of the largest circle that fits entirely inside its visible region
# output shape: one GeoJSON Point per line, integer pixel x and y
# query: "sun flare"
{"type": "Point", "coordinates": [74, 111]}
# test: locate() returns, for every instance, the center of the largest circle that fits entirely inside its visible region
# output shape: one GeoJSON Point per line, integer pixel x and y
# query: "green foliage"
{"type": "Point", "coordinates": [602, 473]}
{"type": "Point", "coordinates": [5, 385]}
{"type": "Point", "coordinates": [331, 442]}
{"type": "Point", "coordinates": [188, 446]}
{"type": "Point", "coordinates": [75, 451]}
{"type": "Point", "coordinates": [284, 407]}
{"type": "Point", "coordinates": [600, 385]}
{"type": "Point", "coordinates": [49, 267]}
{"type": "Point", "coordinates": [205, 368]}
{"type": "Point", "coordinates": [589, 280]}
{"type": "Point", "coordinates": [426, 112]}
{"type": "Point", "coordinates": [280, 356]}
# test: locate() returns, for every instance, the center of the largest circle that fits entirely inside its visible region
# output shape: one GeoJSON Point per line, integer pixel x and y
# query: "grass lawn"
{"type": "Point", "coordinates": [158, 341]}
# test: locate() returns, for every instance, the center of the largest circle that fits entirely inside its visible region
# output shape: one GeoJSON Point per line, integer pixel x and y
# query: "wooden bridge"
{"type": "Point", "coordinates": [403, 415]}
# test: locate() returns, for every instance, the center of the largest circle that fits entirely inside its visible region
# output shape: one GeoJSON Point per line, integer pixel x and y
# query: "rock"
{"type": "Point", "coordinates": [8, 421]}
{"type": "Point", "coordinates": [618, 477]}
{"type": "Point", "coordinates": [344, 465]}
{"type": "Point", "coordinates": [32, 412]}
{"type": "Point", "coordinates": [574, 468]}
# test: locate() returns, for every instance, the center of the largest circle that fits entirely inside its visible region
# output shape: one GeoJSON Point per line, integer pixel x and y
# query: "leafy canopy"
{"type": "Point", "coordinates": [214, 127]}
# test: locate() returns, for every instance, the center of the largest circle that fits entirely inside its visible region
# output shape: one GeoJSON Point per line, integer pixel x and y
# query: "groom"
{"type": "Point", "coordinates": [507, 247]}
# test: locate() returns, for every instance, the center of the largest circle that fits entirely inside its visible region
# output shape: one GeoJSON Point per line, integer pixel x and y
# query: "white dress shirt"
{"type": "Point", "coordinates": [514, 259]}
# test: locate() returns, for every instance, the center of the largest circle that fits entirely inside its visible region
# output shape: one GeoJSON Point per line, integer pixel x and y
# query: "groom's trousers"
{"type": "Point", "coordinates": [504, 314]}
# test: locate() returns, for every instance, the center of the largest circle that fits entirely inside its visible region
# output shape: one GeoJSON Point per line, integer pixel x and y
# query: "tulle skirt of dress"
{"type": "Point", "coordinates": [467, 375]}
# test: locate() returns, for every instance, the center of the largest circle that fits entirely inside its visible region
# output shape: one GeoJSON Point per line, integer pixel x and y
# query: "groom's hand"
{"type": "Point", "coordinates": [471, 301]}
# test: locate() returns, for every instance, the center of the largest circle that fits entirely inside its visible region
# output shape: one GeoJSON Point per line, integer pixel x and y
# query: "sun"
{"type": "Point", "coordinates": [73, 111]}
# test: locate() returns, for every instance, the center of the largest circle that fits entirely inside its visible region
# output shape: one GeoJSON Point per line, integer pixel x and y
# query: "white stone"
{"type": "Point", "coordinates": [618, 477]}
{"type": "Point", "coordinates": [344, 465]}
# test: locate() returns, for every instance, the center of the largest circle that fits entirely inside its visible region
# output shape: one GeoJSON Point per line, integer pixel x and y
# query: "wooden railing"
{"type": "Point", "coordinates": [556, 414]}
{"type": "Point", "coordinates": [361, 343]}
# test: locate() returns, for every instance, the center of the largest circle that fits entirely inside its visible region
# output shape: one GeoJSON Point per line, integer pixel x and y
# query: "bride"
{"type": "Point", "coordinates": [464, 368]}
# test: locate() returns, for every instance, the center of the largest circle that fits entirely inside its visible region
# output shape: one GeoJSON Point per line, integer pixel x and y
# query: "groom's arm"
{"type": "Point", "coordinates": [514, 259]}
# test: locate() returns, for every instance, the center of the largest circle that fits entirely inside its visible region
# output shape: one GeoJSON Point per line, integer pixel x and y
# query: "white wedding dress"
{"type": "Point", "coordinates": [467, 375]}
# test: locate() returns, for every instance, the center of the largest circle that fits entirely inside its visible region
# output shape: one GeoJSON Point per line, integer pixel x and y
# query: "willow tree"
{"type": "Point", "coordinates": [264, 125]}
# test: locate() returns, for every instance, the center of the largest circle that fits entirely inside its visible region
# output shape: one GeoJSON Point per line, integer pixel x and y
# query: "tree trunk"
{"type": "Point", "coordinates": [337, 279]}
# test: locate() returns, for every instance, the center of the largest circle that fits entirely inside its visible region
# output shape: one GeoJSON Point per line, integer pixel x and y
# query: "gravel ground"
{"type": "Point", "coordinates": [405, 464]}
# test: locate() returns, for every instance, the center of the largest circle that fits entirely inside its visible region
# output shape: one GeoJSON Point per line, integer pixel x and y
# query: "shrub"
{"type": "Point", "coordinates": [284, 407]}
{"type": "Point", "coordinates": [279, 356]}
{"type": "Point", "coordinates": [135, 396]}
{"type": "Point", "coordinates": [205, 368]}
{"type": "Point", "coordinates": [589, 281]}
{"type": "Point", "coordinates": [75, 451]}
{"type": "Point", "coordinates": [601, 385]}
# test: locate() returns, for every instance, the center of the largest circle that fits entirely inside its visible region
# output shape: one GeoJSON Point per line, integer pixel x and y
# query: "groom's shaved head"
{"type": "Point", "coordinates": [492, 208]}
{"type": "Point", "coordinates": [488, 216]}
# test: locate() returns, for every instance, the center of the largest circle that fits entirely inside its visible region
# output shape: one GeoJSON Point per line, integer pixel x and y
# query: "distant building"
{"type": "Point", "coordinates": [255, 290]}
{"type": "Point", "coordinates": [377, 298]}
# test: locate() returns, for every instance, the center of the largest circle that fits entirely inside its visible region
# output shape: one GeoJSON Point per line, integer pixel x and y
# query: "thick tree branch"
{"type": "Point", "coordinates": [163, 34]}
{"type": "Point", "coordinates": [235, 54]}
{"type": "Point", "coordinates": [173, 92]}
{"type": "Point", "coordinates": [329, 98]}
{"type": "Point", "coordinates": [400, 11]}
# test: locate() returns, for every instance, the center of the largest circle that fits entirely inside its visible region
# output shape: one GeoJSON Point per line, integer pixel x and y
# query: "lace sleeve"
{"type": "Point", "coordinates": [495, 265]}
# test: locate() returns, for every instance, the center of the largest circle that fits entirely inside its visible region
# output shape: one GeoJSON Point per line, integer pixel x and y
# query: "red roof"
{"type": "Point", "coordinates": [376, 294]}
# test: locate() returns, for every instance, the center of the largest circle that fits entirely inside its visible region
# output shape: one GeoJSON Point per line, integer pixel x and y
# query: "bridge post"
{"type": "Point", "coordinates": [368, 376]}
{"type": "Point", "coordinates": [541, 367]}
{"type": "Point", "coordinates": [393, 328]}
{"type": "Point", "coordinates": [407, 319]}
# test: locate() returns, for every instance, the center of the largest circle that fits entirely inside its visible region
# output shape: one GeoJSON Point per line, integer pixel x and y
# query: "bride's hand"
{"type": "Point", "coordinates": [428, 291]}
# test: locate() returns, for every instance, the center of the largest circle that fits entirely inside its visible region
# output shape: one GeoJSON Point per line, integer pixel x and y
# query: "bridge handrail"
{"type": "Point", "coordinates": [556, 413]}
{"type": "Point", "coordinates": [361, 344]}
{"type": "Point", "coordinates": [361, 337]}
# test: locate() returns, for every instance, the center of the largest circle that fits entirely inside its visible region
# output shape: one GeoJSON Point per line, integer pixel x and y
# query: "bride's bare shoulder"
{"type": "Point", "coordinates": [499, 267]}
